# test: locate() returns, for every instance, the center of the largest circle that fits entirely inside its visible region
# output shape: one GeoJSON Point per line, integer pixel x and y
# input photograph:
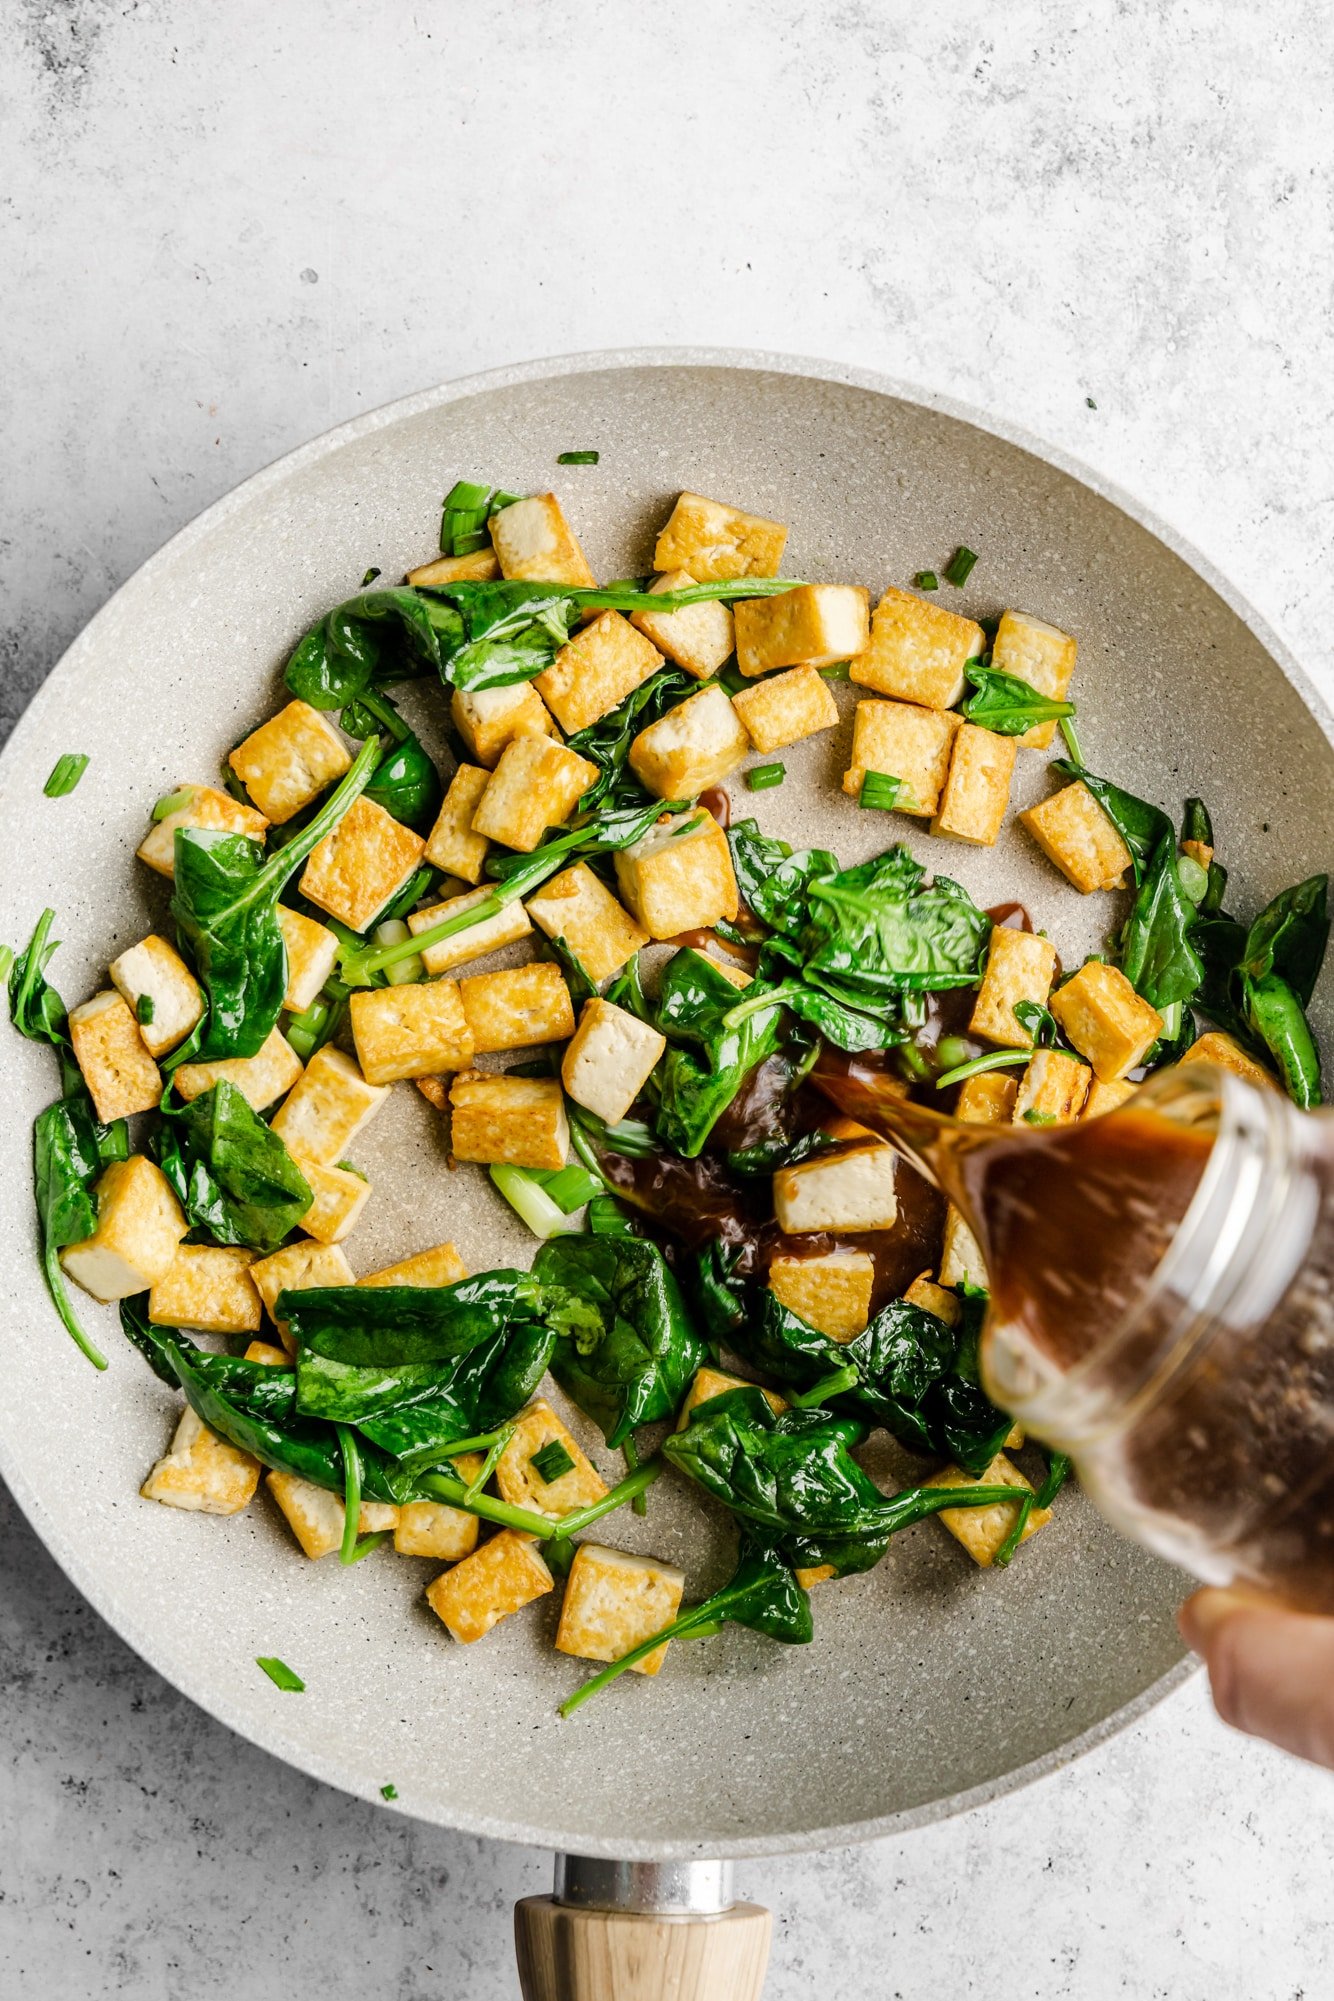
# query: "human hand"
{"type": "Point", "coordinates": [1271, 1671]}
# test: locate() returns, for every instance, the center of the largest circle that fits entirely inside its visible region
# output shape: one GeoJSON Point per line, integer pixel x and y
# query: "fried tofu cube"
{"type": "Point", "coordinates": [433, 1528]}
{"type": "Point", "coordinates": [815, 625]}
{"type": "Point", "coordinates": [614, 1601]}
{"type": "Point", "coordinates": [577, 907]}
{"type": "Point", "coordinates": [265, 1352]}
{"type": "Point", "coordinates": [977, 789]}
{"type": "Point", "coordinates": [839, 1191]}
{"type": "Point", "coordinates": [417, 1030]}
{"type": "Point", "coordinates": [961, 1260]}
{"type": "Point", "coordinates": [364, 862]}
{"type": "Point", "coordinates": [441, 1265]}
{"type": "Point", "coordinates": [1106, 1020]}
{"type": "Point", "coordinates": [1200, 853]}
{"type": "Point", "coordinates": [987, 1099]}
{"type": "Point", "coordinates": [1037, 653]}
{"type": "Point", "coordinates": [832, 1294]}
{"type": "Point", "coordinates": [595, 670]}
{"type": "Point", "coordinates": [679, 876]}
{"type": "Point", "coordinates": [609, 1060]}
{"type": "Point", "coordinates": [522, 1484]}
{"type": "Point", "coordinates": [473, 941]}
{"type": "Point", "coordinates": [201, 1472]}
{"type": "Point", "coordinates": [1227, 1054]}
{"type": "Point", "coordinates": [917, 651]}
{"type": "Point", "coordinates": [698, 637]}
{"type": "Point", "coordinates": [735, 975]}
{"type": "Point", "coordinates": [934, 1299]}
{"type": "Point", "coordinates": [329, 1106]}
{"type": "Point", "coordinates": [490, 718]}
{"type": "Point", "coordinates": [435, 1090]}
{"type": "Point", "coordinates": [451, 844]}
{"type": "Point", "coordinates": [208, 1287]}
{"type": "Point", "coordinates": [201, 806]}
{"type": "Point", "coordinates": [516, 1119]}
{"type": "Point", "coordinates": [520, 1008]}
{"type": "Point", "coordinates": [536, 785]}
{"type": "Point", "coordinates": [697, 744]}
{"type": "Point", "coordinates": [289, 760]}
{"type": "Point", "coordinates": [1020, 967]}
{"type": "Point", "coordinates": [340, 1196]}
{"type": "Point", "coordinates": [709, 1382]}
{"type": "Point", "coordinates": [905, 742]}
{"type": "Point", "coordinates": [711, 541]}
{"type": "Point", "coordinates": [480, 566]}
{"type": "Point", "coordinates": [139, 1230]}
{"type": "Point", "coordinates": [533, 541]}
{"type": "Point", "coordinates": [1073, 832]}
{"type": "Point", "coordinates": [983, 1530]}
{"type": "Point", "coordinates": [261, 1079]}
{"type": "Point", "coordinates": [498, 1579]}
{"type": "Point", "coordinates": [786, 708]}
{"type": "Point", "coordinates": [316, 1517]}
{"type": "Point", "coordinates": [1052, 1089]}
{"type": "Point", "coordinates": [161, 992]}
{"type": "Point", "coordinates": [304, 1266]}
{"type": "Point", "coordinates": [109, 1050]}
{"type": "Point", "coordinates": [1106, 1097]}
{"type": "Point", "coordinates": [312, 954]}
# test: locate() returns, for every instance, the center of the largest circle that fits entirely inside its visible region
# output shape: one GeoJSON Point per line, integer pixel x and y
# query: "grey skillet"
{"type": "Point", "coordinates": [930, 1686]}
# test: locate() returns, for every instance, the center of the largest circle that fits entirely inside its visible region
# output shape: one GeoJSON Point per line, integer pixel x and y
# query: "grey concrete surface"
{"type": "Point", "coordinates": [224, 229]}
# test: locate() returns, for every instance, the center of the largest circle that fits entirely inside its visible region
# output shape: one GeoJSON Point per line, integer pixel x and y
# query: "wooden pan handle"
{"type": "Point", "coordinates": [587, 1955]}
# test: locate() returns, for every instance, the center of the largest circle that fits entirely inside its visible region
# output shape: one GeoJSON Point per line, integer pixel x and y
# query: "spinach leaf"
{"type": "Point", "coordinates": [1157, 955]}
{"type": "Point", "coordinates": [719, 1290]}
{"type": "Point", "coordinates": [1007, 705]}
{"type": "Point", "coordinates": [1257, 982]}
{"type": "Point", "coordinates": [606, 743]}
{"type": "Point", "coordinates": [254, 1387]}
{"type": "Point", "coordinates": [1276, 1019]}
{"type": "Point", "coordinates": [625, 1347]}
{"type": "Point", "coordinates": [874, 931]}
{"type": "Point", "coordinates": [406, 782]}
{"type": "Point", "coordinates": [405, 1326]}
{"type": "Point", "coordinates": [370, 642]}
{"type": "Point", "coordinates": [473, 1396]}
{"type": "Point", "coordinates": [1043, 1028]}
{"type": "Point", "coordinates": [1288, 938]}
{"type": "Point", "coordinates": [231, 1173]}
{"type": "Point", "coordinates": [773, 881]}
{"type": "Point", "coordinates": [715, 1046]}
{"type": "Point", "coordinates": [1140, 825]}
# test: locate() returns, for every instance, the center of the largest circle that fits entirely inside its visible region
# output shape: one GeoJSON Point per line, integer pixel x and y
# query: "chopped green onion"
{"type": "Point", "coordinates": [1071, 740]}
{"type": "Point", "coordinates": [1033, 1117]}
{"type": "Point", "coordinates": [389, 1792]}
{"type": "Point", "coordinates": [569, 1187]}
{"type": "Point", "coordinates": [348, 1167]}
{"type": "Point", "coordinates": [69, 769]}
{"type": "Point", "coordinates": [927, 580]}
{"type": "Point", "coordinates": [576, 458]}
{"type": "Point", "coordinates": [280, 1674]}
{"type": "Point", "coordinates": [173, 802]}
{"type": "Point", "coordinates": [1089, 403]}
{"type": "Point", "coordinates": [999, 1059]}
{"type": "Point", "coordinates": [765, 776]}
{"type": "Point", "coordinates": [469, 541]}
{"type": "Point", "coordinates": [369, 577]}
{"type": "Point", "coordinates": [880, 790]}
{"type": "Point", "coordinates": [403, 972]}
{"type": "Point", "coordinates": [951, 1051]}
{"type": "Point", "coordinates": [144, 1010]}
{"type": "Point", "coordinates": [838, 670]}
{"type": "Point", "coordinates": [608, 1218]}
{"type": "Point", "coordinates": [1194, 879]}
{"type": "Point", "coordinates": [552, 1462]}
{"type": "Point", "coordinates": [960, 566]}
{"type": "Point", "coordinates": [522, 1188]}
{"type": "Point", "coordinates": [466, 494]}
{"type": "Point", "coordinates": [308, 1030]}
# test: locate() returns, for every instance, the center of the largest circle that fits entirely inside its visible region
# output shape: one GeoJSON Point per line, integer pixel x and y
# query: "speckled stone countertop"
{"type": "Point", "coordinates": [225, 229]}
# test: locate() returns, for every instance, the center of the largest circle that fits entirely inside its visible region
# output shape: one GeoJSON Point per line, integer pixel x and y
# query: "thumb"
{"type": "Point", "coordinates": [1271, 1671]}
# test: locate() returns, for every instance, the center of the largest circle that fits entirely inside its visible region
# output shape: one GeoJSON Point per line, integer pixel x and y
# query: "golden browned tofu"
{"type": "Point", "coordinates": [110, 1052]}
{"type": "Point", "coordinates": [832, 1293]}
{"type": "Point", "coordinates": [679, 876]}
{"type": "Point", "coordinates": [595, 670]}
{"type": "Point", "coordinates": [537, 784]}
{"type": "Point", "coordinates": [853, 1190]}
{"type": "Point", "coordinates": [1106, 1097]}
{"type": "Point", "coordinates": [786, 708]}
{"type": "Point", "coordinates": [262, 1079]}
{"type": "Point", "coordinates": [474, 941]}
{"type": "Point", "coordinates": [139, 1230]}
{"type": "Point", "coordinates": [289, 760]}
{"type": "Point", "coordinates": [433, 1528]}
{"type": "Point", "coordinates": [987, 1099]}
{"type": "Point", "coordinates": [933, 1299]}
{"type": "Point", "coordinates": [1052, 1089]}
{"type": "Point", "coordinates": [1073, 832]}
{"type": "Point", "coordinates": [524, 1485]}
{"type": "Point", "coordinates": [1106, 1020]}
{"type": "Point", "coordinates": [1227, 1054]}
{"type": "Point", "coordinates": [534, 542]}
{"type": "Point", "coordinates": [208, 1287]}
{"type": "Point", "coordinates": [610, 1059]}
{"type": "Point", "coordinates": [983, 1530]}
{"type": "Point", "coordinates": [520, 1008]}
{"type": "Point", "coordinates": [711, 541]}
{"type": "Point", "coordinates": [697, 744]}
{"type": "Point", "coordinates": [304, 1266]}
{"type": "Point", "coordinates": [698, 637]}
{"type": "Point", "coordinates": [961, 1260]}
{"type": "Point", "coordinates": [364, 862]}
{"type": "Point", "coordinates": [451, 844]}
{"type": "Point", "coordinates": [340, 1194]}
{"type": "Point", "coordinates": [416, 1030]}
{"type": "Point", "coordinates": [201, 806]}
{"type": "Point", "coordinates": [614, 1602]}
{"type": "Point", "coordinates": [577, 907]}
{"type": "Point", "coordinates": [709, 1382]}
{"type": "Point", "coordinates": [905, 742]}
{"type": "Point", "coordinates": [265, 1352]}
{"type": "Point", "coordinates": [1020, 967]}
{"type": "Point", "coordinates": [1200, 853]}
{"type": "Point", "coordinates": [497, 1580]}
{"type": "Point", "coordinates": [312, 954]}
{"type": "Point", "coordinates": [1040, 654]}
{"type": "Point", "coordinates": [480, 566]}
{"type": "Point", "coordinates": [516, 1119]}
{"type": "Point", "coordinates": [816, 625]}
{"type": "Point", "coordinates": [917, 651]}
{"type": "Point", "coordinates": [329, 1107]}
{"type": "Point", "coordinates": [161, 992]}
{"type": "Point", "coordinates": [202, 1472]}
{"type": "Point", "coordinates": [316, 1517]}
{"type": "Point", "coordinates": [441, 1265]}
{"type": "Point", "coordinates": [489, 718]}
{"type": "Point", "coordinates": [977, 788]}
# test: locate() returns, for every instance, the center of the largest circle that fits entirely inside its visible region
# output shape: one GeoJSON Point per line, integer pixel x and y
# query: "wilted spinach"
{"type": "Point", "coordinates": [1141, 826]}
{"type": "Point", "coordinates": [710, 1055]}
{"type": "Point", "coordinates": [1007, 705]}
{"type": "Point", "coordinates": [606, 743]}
{"type": "Point", "coordinates": [1259, 982]}
{"type": "Point", "coordinates": [232, 1174]}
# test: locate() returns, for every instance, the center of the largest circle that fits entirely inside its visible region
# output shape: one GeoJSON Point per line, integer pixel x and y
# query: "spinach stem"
{"type": "Point", "coordinates": [491, 1461]}
{"type": "Point", "coordinates": [1016, 1533]}
{"type": "Point", "coordinates": [446, 1488]}
{"type": "Point", "coordinates": [699, 1620]}
{"type": "Point", "coordinates": [832, 1385]}
{"type": "Point", "coordinates": [631, 1453]}
{"type": "Point", "coordinates": [1071, 739]}
{"type": "Point", "coordinates": [55, 1285]}
{"type": "Point", "coordinates": [634, 1483]}
{"type": "Point", "coordinates": [999, 1059]}
{"type": "Point", "coordinates": [347, 1445]}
